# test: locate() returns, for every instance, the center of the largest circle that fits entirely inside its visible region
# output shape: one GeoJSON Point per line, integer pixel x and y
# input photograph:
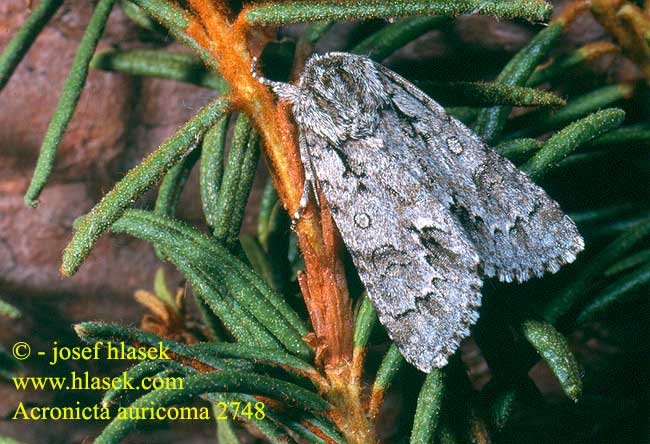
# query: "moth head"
{"type": "Point", "coordinates": [340, 96]}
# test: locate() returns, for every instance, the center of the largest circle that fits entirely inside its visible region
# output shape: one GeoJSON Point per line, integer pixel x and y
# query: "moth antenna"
{"type": "Point", "coordinates": [285, 91]}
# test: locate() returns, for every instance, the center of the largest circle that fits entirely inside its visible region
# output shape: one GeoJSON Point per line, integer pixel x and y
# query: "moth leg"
{"type": "Point", "coordinates": [310, 180]}
{"type": "Point", "coordinates": [304, 198]}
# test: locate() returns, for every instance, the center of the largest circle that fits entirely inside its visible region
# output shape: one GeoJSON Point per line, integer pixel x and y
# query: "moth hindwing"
{"type": "Point", "coordinates": [423, 205]}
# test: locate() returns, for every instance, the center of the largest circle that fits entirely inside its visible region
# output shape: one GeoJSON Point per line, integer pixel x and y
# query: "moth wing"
{"type": "Point", "coordinates": [418, 266]}
{"type": "Point", "coordinates": [516, 228]}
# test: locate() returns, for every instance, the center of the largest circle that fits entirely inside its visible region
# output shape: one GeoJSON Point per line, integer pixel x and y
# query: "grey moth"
{"type": "Point", "coordinates": [425, 208]}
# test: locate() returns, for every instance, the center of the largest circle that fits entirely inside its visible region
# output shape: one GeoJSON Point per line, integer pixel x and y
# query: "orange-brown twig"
{"type": "Point", "coordinates": [323, 284]}
{"type": "Point", "coordinates": [327, 299]}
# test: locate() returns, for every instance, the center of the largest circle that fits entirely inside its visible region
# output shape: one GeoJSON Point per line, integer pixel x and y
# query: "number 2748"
{"type": "Point", "coordinates": [233, 409]}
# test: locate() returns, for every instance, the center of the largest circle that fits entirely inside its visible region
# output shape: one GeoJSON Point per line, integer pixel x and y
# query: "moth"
{"type": "Point", "coordinates": [425, 208]}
